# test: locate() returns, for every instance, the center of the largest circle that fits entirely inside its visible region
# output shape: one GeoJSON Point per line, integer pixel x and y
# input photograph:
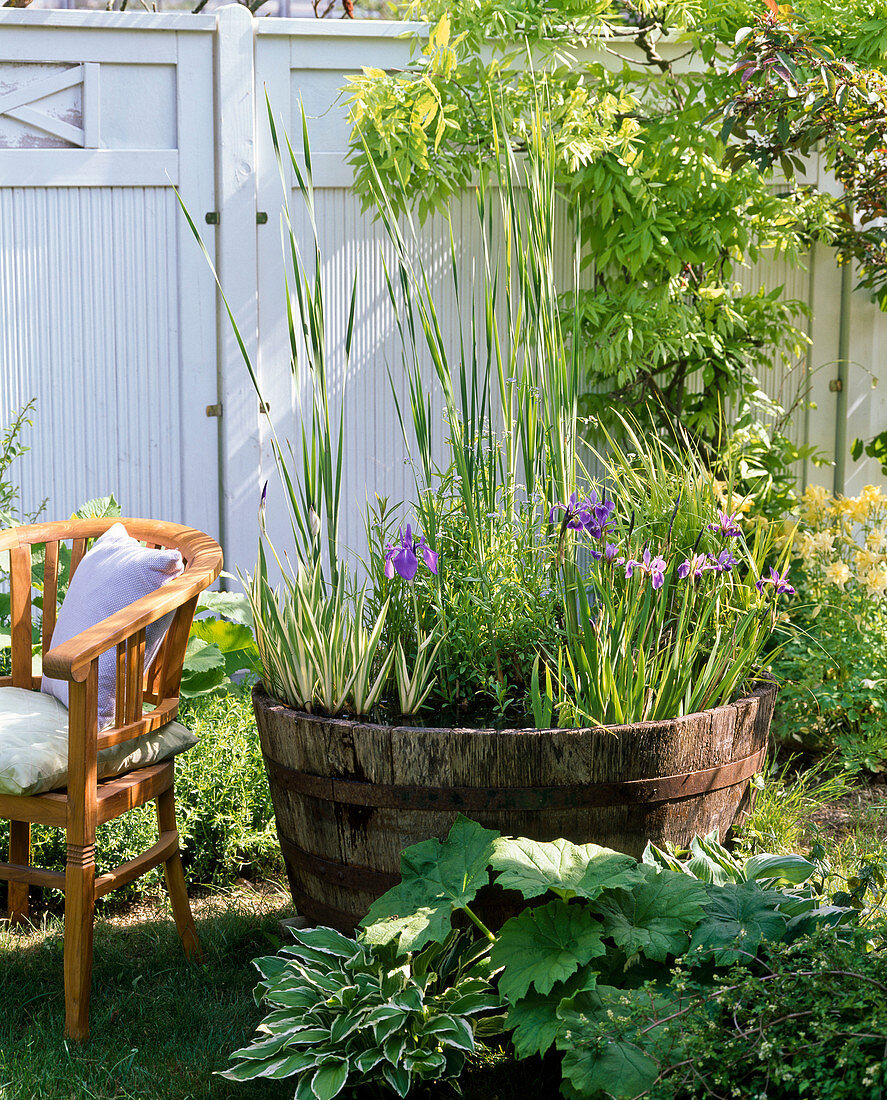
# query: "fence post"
{"type": "Point", "coordinates": [239, 438]}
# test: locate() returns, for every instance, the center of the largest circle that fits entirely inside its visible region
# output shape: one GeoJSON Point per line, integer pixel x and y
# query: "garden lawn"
{"type": "Point", "coordinates": [161, 1025]}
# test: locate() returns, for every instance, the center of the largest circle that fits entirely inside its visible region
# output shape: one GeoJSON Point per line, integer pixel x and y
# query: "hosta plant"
{"type": "Point", "coordinates": [344, 1013]}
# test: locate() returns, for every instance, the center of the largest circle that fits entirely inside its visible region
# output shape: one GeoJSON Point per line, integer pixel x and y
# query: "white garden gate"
{"type": "Point", "coordinates": [108, 312]}
{"type": "Point", "coordinates": [107, 317]}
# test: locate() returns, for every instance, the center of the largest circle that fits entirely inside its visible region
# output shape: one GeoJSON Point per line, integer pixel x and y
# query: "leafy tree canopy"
{"type": "Point", "coordinates": [672, 205]}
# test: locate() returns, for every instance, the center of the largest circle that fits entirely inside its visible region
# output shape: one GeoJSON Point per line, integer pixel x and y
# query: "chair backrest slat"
{"type": "Point", "coordinates": [152, 678]}
{"type": "Point", "coordinates": [20, 612]}
{"type": "Point", "coordinates": [78, 549]}
{"type": "Point", "coordinates": [120, 686]}
{"type": "Point", "coordinates": [174, 649]}
{"type": "Point", "coordinates": [135, 674]}
{"type": "Point", "coordinates": [50, 593]}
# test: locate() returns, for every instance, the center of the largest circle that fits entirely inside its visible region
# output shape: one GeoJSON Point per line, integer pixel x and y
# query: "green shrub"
{"type": "Point", "coordinates": [574, 970]}
{"type": "Point", "coordinates": [804, 1019]}
{"type": "Point", "coordinates": [223, 806]}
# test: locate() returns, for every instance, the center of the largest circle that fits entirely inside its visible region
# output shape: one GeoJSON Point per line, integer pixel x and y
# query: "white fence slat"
{"type": "Point", "coordinates": [236, 259]}
{"type": "Point", "coordinates": [193, 345]}
{"type": "Point", "coordinates": [91, 105]}
{"type": "Point", "coordinates": [88, 168]}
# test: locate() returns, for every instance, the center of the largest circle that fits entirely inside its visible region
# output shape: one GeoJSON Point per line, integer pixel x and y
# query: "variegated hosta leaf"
{"type": "Point", "coordinates": [330, 1078]}
{"type": "Point", "coordinates": [274, 1068]}
{"type": "Point", "coordinates": [345, 1015]}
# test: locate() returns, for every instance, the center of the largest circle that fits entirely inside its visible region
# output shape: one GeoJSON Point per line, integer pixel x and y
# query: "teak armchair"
{"type": "Point", "coordinates": [88, 802]}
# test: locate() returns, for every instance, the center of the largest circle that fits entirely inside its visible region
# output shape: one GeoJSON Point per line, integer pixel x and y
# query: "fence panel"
{"type": "Point", "coordinates": [107, 313]}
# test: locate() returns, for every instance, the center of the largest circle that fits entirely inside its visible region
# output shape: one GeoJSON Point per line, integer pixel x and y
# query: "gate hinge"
{"type": "Point", "coordinates": [836, 385]}
{"type": "Point", "coordinates": [212, 217]}
{"type": "Point", "coordinates": [261, 217]}
{"type": "Point", "coordinates": [213, 410]}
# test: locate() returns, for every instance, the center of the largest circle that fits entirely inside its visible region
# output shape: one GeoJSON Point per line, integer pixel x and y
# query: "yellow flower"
{"type": "Point", "coordinates": [838, 573]}
{"type": "Point", "coordinates": [865, 560]}
{"type": "Point", "coordinates": [805, 547]}
{"type": "Point", "coordinates": [853, 508]}
{"type": "Point", "coordinates": [816, 501]}
{"type": "Point", "coordinates": [810, 544]}
{"type": "Point", "coordinates": [873, 496]}
{"type": "Point", "coordinates": [876, 540]}
{"type": "Point", "coordinates": [740, 503]}
{"type": "Point", "coordinates": [719, 489]}
{"type": "Point", "coordinates": [875, 580]}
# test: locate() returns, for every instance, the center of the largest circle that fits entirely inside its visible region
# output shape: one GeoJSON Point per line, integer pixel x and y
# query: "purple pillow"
{"type": "Point", "coordinates": [116, 572]}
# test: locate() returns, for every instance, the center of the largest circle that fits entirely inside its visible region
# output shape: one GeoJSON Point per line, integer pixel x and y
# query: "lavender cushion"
{"type": "Point", "coordinates": [116, 572]}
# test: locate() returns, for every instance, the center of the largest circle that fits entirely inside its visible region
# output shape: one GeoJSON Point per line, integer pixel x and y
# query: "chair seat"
{"type": "Point", "coordinates": [34, 744]}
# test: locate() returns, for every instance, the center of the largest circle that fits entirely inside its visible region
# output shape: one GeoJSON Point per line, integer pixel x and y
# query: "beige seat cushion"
{"type": "Point", "coordinates": [34, 744]}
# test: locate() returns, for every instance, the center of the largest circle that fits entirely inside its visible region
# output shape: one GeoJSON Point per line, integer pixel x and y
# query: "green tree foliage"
{"type": "Point", "coordinates": [666, 225]}
{"type": "Point", "coordinates": [804, 87]}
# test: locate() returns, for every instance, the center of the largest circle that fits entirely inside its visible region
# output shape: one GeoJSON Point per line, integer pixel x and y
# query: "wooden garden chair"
{"type": "Point", "coordinates": [87, 802]}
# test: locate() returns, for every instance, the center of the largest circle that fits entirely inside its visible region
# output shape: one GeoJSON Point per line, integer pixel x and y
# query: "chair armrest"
{"type": "Point", "coordinates": [71, 659]}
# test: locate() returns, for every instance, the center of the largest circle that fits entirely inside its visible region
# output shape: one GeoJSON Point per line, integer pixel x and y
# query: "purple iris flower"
{"type": "Point", "coordinates": [592, 515]}
{"type": "Point", "coordinates": [778, 581]}
{"type": "Point", "coordinates": [575, 510]}
{"type": "Point", "coordinates": [726, 525]}
{"type": "Point", "coordinates": [608, 554]}
{"type": "Point", "coordinates": [724, 561]}
{"type": "Point", "coordinates": [653, 567]}
{"type": "Point", "coordinates": [697, 564]}
{"type": "Point", "coordinates": [404, 559]}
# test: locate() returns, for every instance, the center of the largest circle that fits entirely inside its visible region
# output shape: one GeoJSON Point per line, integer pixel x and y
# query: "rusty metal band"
{"type": "Point", "coordinates": [577, 796]}
{"type": "Point", "coordinates": [349, 876]}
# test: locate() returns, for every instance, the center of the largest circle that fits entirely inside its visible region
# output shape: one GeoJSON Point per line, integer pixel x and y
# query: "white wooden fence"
{"type": "Point", "coordinates": [108, 312]}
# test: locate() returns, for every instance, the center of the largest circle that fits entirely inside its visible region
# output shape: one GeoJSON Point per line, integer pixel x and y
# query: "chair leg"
{"type": "Point", "coordinates": [19, 852]}
{"type": "Point", "coordinates": [79, 910]}
{"type": "Point", "coordinates": [175, 880]}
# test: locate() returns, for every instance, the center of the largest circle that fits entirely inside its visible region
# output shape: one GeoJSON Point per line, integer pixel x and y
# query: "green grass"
{"type": "Point", "coordinates": [160, 1024]}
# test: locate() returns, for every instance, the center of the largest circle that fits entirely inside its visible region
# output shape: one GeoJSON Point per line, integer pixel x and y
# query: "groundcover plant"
{"type": "Point", "coordinates": [608, 954]}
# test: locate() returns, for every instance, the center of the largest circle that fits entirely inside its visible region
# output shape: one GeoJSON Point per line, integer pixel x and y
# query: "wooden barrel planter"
{"type": "Point", "coordinates": [350, 796]}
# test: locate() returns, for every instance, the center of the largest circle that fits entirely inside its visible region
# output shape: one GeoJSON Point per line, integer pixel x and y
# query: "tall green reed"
{"type": "Point", "coordinates": [318, 646]}
{"type": "Point", "coordinates": [318, 489]}
{"type": "Point", "coordinates": [509, 360]}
